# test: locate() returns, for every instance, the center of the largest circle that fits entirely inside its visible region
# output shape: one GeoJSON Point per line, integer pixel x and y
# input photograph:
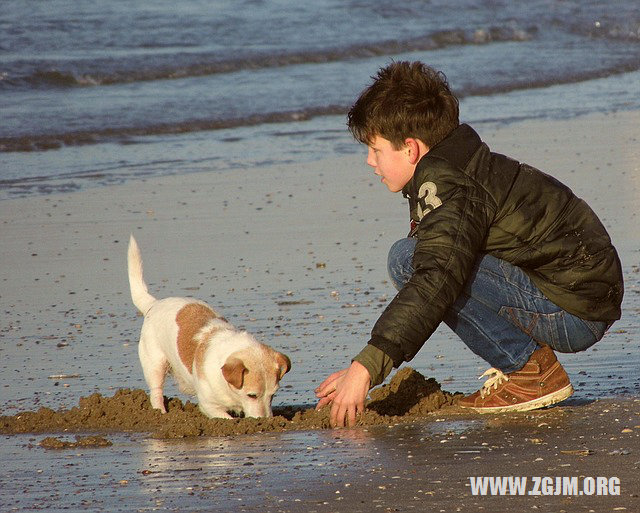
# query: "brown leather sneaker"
{"type": "Point", "coordinates": [541, 382]}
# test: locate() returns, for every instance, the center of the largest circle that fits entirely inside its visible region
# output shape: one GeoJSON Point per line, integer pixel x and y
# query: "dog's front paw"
{"type": "Point", "coordinates": [157, 400]}
{"type": "Point", "coordinates": [215, 413]}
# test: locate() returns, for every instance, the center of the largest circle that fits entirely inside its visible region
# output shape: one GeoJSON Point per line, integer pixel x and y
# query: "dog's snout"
{"type": "Point", "coordinates": [261, 409]}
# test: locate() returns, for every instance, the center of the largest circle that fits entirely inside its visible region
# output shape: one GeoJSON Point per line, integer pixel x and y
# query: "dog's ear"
{"type": "Point", "coordinates": [284, 364]}
{"type": "Point", "coordinates": [233, 371]}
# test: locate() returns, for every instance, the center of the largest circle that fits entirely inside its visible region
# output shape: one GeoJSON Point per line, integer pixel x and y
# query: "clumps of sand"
{"type": "Point", "coordinates": [52, 442]}
{"type": "Point", "coordinates": [408, 397]}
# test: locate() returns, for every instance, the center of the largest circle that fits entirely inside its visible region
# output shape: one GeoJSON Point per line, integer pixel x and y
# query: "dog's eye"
{"type": "Point", "coordinates": [252, 396]}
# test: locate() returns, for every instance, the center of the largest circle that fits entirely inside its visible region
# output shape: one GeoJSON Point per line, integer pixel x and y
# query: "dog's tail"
{"type": "Point", "coordinates": [139, 292]}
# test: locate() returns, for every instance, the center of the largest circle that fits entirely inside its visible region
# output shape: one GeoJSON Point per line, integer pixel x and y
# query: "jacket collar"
{"type": "Point", "coordinates": [456, 149]}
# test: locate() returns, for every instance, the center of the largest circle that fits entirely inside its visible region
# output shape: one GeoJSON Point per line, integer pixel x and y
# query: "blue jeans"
{"type": "Point", "coordinates": [501, 315]}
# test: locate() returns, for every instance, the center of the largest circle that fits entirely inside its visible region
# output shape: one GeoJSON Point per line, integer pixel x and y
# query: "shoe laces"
{"type": "Point", "coordinates": [496, 377]}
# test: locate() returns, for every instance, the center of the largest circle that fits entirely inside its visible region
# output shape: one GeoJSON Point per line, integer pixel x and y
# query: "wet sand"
{"type": "Point", "coordinates": [424, 465]}
{"type": "Point", "coordinates": [407, 397]}
{"type": "Point", "coordinates": [296, 255]}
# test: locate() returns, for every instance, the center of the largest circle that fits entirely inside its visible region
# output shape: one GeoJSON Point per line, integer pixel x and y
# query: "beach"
{"type": "Point", "coordinates": [296, 254]}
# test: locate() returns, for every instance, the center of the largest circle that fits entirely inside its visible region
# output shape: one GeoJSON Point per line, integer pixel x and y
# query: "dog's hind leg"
{"type": "Point", "coordinates": [155, 381]}
{"type": "Point", "coordinates": [155, 367]}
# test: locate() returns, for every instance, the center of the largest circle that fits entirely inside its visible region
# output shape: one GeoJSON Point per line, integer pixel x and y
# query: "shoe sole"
{"type": "Point", "coordinates": [534, 404]}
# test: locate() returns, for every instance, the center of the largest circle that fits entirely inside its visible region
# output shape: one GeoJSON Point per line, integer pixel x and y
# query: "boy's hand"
{"type": "Point", "coordinates": [346, 391]}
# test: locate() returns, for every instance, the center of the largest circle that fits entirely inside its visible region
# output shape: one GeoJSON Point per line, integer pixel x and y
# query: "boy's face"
{"type": "Point", "coordinates": [394, 166]}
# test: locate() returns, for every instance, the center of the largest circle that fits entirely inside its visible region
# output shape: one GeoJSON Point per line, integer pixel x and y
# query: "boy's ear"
{"type": "Point", "coordinates": [416, 149]}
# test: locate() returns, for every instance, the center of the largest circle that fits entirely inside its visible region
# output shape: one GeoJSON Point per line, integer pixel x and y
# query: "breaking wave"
{"type": "Point", "coordinates": [163, 67]}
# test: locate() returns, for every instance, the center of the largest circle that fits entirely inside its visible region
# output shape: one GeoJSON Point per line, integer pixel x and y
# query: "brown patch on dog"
{"type": "Point", "coordinates": [190, 320]}
{"type": "Point", "coordinates": [233, 371]}
{"type": "Point", "coordinates": [284, 364]}
{"type": "Point", "coordinates": [199, 357]}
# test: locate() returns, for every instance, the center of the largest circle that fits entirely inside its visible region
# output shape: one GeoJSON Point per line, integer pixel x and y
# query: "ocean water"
{"type": "Point", "coordinates": [101, 92]}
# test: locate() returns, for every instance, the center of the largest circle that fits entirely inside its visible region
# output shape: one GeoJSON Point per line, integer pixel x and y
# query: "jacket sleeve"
{"type": "Point", "coordinates": [376, 362]}
{"type": "Point", "coordinates": [456, 213]}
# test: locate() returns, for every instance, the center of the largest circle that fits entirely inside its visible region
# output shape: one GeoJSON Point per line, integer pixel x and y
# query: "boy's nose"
{"type": "Point", "coordinates": [371, 161]}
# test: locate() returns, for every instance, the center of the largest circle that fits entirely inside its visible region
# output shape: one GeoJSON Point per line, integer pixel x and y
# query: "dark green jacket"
{"type": "Point", "coordinates": [469, 201]}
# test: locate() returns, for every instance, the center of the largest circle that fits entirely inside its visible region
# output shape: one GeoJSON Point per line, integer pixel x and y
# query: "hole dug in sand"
{"type": "Point", "coordinates": [409, 396]}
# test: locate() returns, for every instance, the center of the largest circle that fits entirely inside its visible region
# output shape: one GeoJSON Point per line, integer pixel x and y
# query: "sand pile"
{"type": "Point", "coordinates": [407, 397]}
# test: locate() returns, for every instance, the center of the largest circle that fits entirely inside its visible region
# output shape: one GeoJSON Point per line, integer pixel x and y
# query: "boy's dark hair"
{"type": "Point", "coordinates": [406, 99]}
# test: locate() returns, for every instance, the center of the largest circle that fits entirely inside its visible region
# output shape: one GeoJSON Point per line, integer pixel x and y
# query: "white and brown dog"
{"type": "Point", "coordinates": [227, 369]}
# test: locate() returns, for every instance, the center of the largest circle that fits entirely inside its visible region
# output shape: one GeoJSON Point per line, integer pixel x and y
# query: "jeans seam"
{"type": "Point", "coordinates": [566, 333]}
{"type": "Point", "coordinates": [511, 317]}
{"type": "Point", "coordinates": [592, 328]}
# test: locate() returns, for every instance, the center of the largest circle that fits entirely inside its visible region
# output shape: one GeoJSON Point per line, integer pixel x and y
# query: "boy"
{"type": "Point", "coordinates": [515, 264]}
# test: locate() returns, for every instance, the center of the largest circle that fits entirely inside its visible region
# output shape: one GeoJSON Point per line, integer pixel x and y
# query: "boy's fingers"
{"type": "Point", "coordinates": [354, 412]}
{"type": "Point", "coordinates": [324, 401]}
{"type": "Point", "coordinates": [320, 390]}
{"type": "Point", "coordinates": [325, 389]}
{"type": "Point", "coordinates": [337, 415]}
{"type": "Point", "coordinates": [329, 381]}
{"type": "Point", "coordinates": [351, 417]}
{"type": "Point", "coordinates": [342, 416]}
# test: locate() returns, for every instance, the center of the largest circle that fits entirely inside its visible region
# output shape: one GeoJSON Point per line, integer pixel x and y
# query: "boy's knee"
{"type": "Point", "coordinates": [401, 251]}
{"type": "Point", "coordinates": [399, 262]}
